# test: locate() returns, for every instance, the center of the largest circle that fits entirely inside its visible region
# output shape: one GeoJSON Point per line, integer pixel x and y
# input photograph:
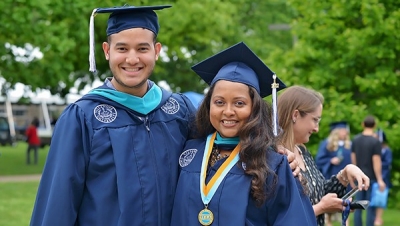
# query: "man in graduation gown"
{"type": "Point", "coordinates": [114, 154]}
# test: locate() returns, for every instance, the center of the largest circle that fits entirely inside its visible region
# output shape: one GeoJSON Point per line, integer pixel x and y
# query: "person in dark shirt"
{"type": "Point", "coordinates": [366, 154]}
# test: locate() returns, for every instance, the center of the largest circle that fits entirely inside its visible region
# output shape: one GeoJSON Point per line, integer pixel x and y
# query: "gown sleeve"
{"type": "Point", "coordinates": [63, 178]}
{"type": "Point", "coordinates": [323, 159]}
{"type": "Point", "coordinates": [191, 117]}
{"type": "Point", "coordinates": [387, 159]}
{"type": "Point", "coordinates": [333, 185]}
{"type": "Point", "coordinates": [289, 205]}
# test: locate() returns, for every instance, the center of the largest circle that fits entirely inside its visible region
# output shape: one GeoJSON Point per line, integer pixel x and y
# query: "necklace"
{"type": "Point", "coordinates": [216, 156]}
{"type": "Point", "coordinates": [311, 183]}
{"type": "Point", "coordinates": [208, 190]}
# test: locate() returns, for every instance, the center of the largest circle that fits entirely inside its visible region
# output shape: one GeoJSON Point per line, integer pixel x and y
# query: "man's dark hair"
{"type": "Point", "coordinates": [35, 122]}
{"type": "Point", "coordinates": [154, 39]}
{"type": "Point", "coordinates": [369, 121]}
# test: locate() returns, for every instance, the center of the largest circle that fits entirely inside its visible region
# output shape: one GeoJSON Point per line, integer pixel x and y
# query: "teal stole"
{"type": "Point", "coordinates": [143, 105]}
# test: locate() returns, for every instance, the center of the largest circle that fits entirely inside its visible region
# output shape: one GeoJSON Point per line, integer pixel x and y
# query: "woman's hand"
{"type": "Point", "coordinates": [294, 165]}
{"type": "Point", "coordinates": [335, 161]}
{"type": "Point", "coordinates": [329, 203]}
{"type": "Point", "coordinates": [351, 174]}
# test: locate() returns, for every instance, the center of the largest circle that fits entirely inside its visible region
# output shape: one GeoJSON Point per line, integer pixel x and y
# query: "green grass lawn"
{"type": "Point", "coordinates": [16, 202]}
{"type": "Point", "coordinates": [390, 218]}
{"type": "Point", "coordinates": [17, 199]}
{"type": "Point", "coordinates": [13, 160]}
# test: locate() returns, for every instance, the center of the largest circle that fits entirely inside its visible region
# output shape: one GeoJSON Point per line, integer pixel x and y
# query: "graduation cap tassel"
{"type": "Point", "coordinates": [274, 87]}
{"type": "Point", "coordinates": [92, 59]}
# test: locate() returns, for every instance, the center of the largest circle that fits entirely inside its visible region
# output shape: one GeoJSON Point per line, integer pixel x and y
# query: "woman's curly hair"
{"type": "Point", "coordinates": [256, 137]}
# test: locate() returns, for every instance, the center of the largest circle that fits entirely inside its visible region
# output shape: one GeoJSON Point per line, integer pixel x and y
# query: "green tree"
{"type": "Point", "coordinates": [53, 28]}
{"type": "Point", "coordinates": [190, 32]}
{"type": "Point", "coordinates": [195, 30]}
{"type": "Point", "coordinates": [349, 51]}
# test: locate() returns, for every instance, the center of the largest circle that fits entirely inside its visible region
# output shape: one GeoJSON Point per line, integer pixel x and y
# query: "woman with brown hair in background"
{"type": "Point", "coordinates": [299, 114]}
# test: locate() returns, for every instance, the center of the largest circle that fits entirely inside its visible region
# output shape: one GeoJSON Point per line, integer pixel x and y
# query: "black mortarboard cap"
{"type": "Point", "coordinates": [123, 18]}
{"type": "Point", "coordinates": [238, 63]}
{"type": "Point", "coordinates": [126, 17]}
{"type": "Point", "coordinates": [337, 125]}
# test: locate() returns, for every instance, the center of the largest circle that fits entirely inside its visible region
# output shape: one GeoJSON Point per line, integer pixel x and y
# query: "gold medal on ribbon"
{"type": "Point", "coordinates": [206, 217]}
{"type": "Point", "coordinates": [207, 191]}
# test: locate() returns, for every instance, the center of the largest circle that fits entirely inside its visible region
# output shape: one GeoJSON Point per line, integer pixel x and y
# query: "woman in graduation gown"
{"type": "Point", "coordinates": [334, 152]}
{"type": "Point", "coordinates": [231, 174]}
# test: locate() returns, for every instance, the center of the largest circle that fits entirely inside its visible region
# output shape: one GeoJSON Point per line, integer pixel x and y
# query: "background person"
{"type": "Point", "coordinates": [387, 158]}
{"type": "Point", "coordinates": [299, 114]}
{"type": "Point", "coordinates": [366, 154]}
{"type": "Point", "coordinates": [33, 141]}
{"type": "Point", "coordinates": [334, 153]}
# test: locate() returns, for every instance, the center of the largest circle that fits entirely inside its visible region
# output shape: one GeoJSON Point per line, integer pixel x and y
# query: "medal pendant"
{"type": "Point", "coordinates": [206, 217]}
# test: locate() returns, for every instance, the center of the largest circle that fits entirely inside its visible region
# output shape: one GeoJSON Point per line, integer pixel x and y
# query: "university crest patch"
{"type": "Point", "coordinates": [186, 157]}
{"type": "Point", "coordinates": [171, 106]}
{"type": "Point", "coordinates": [105, 113]}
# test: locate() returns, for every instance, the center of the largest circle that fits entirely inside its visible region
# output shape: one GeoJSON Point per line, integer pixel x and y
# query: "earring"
{"type": "Point", "coordinates": [294, 121]}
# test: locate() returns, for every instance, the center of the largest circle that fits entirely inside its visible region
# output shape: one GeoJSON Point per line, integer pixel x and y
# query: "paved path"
{"type": "Point", "coordinates": [20, 178]}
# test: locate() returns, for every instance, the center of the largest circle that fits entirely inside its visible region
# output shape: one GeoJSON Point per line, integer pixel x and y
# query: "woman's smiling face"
{"type": "Point", "coordinates": [306, 125]}
{"type": "Point", "coordinates": [230, 107]}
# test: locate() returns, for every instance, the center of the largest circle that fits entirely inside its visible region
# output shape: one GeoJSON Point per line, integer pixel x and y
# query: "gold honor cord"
{"type": "Point", "coordinates": [206, 217]}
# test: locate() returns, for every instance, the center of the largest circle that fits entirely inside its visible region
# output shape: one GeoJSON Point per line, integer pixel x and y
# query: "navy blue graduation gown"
{"type": "Point", "coordinates": [232, 203]}
{"type": "Point", "coordinates": [387, 158]}
{"type": "Point", "coordinates": [109, 165]}
{"type": "Point", "coordinates": [324, 156]}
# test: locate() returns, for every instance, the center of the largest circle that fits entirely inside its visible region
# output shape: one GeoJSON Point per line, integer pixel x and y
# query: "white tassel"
{"type": "Point", "coordinates": [92, 58]}
{"type": "Point", "coordinates": [274, 86]}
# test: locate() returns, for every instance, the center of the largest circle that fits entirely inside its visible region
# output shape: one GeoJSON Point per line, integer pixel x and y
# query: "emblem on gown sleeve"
{"type": "Point", "coordinates": [186, 157]}
{"type": "Point", "coordinates": [105, 113]}
{"type": "Point", "coordinates": [171, 106]}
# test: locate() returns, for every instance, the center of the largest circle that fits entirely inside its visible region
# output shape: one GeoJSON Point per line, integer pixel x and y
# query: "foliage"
{"type": "Point", "coordinates": [349, 51]}
{"type": "Point", "coordinates": [54, 29]}
{"type": "Point", "coordinates": [190, 31]}
{"type": "Point", "coordinates": [210, 26]}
